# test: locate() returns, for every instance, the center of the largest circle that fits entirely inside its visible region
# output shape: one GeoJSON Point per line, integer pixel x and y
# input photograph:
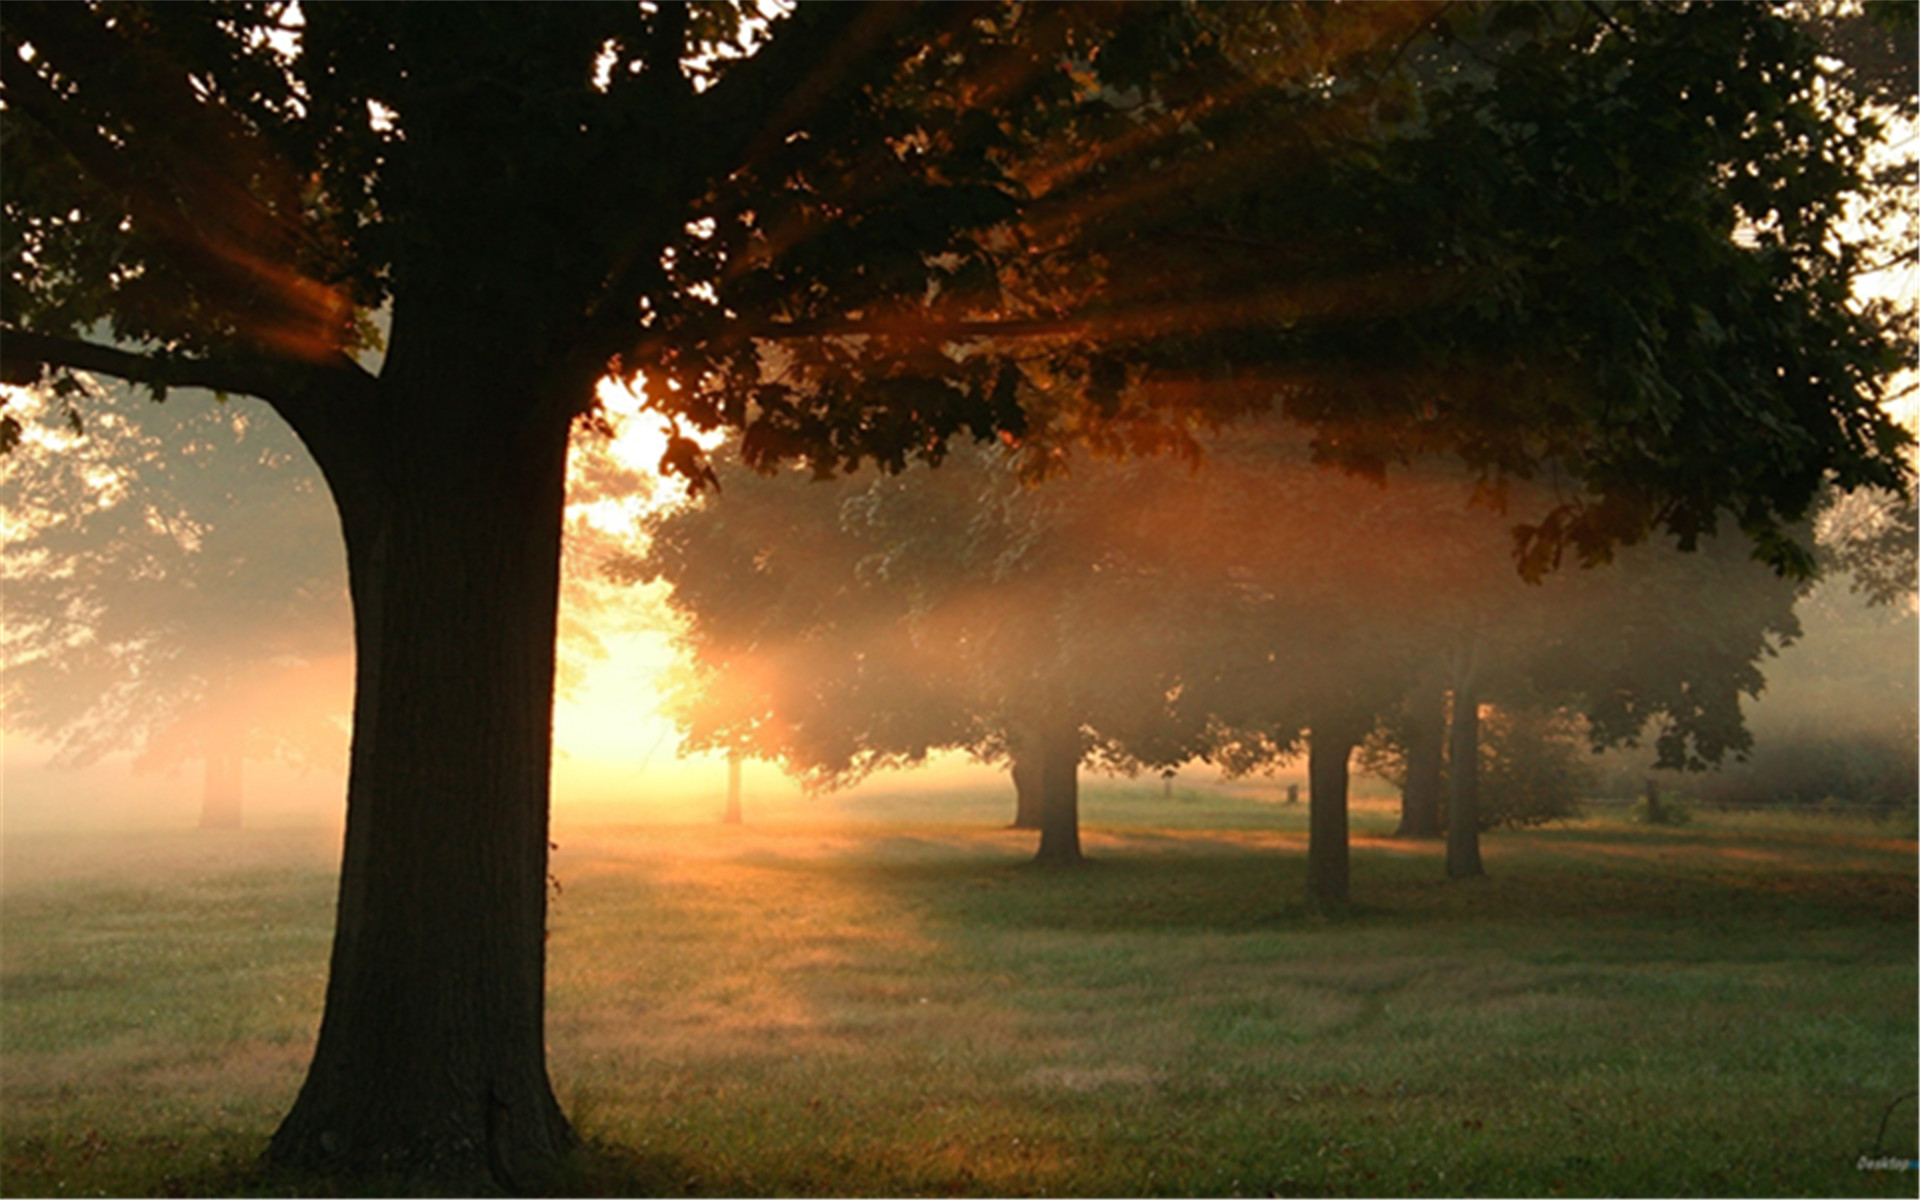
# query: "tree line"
{"type": "Point", "coordinates": [1140, 614]}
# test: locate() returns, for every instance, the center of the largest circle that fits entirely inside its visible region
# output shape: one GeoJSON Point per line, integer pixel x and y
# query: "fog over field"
{"type": "Point", "coordinates": [103, 734]}
{"type": "Point", "coordinates": [603, 773]}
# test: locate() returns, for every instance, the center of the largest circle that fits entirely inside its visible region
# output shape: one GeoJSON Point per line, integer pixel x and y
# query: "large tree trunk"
{"type": "Point", "coordinates": [732, 815]}
{"type": "Point", "coordinates": [1463, 775]}
{"type": "Point", "coordinates": [1024, 766]}
{"type": "Point", "coordinates": [1426, 725]}
{"type": "Point", "coordinates": [1328, 750]}
{"type": "Point", "coordinates": [431, 1060]}
{"type": "Point", "coordinates": [1059, 795]}
{"type": "Point", "coordinates": [220, 795]}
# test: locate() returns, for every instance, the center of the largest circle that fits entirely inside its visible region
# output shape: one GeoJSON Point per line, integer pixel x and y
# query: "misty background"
{"type": "Point", "coordinates": [178, 641]}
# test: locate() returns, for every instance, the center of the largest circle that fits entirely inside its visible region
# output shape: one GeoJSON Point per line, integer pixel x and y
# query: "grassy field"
{"type": "Point", "coordinates": [889, 1002]}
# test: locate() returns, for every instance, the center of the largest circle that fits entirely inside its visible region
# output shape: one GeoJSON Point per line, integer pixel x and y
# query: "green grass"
{"type": "Point", "coordinates": [892, 1003]}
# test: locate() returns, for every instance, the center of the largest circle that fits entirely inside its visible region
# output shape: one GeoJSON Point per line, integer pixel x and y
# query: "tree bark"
{"type": "Point", "coordinates": [1420, 796]}
{"type": "Point", "coordinates": [1025, 767]}
{"type": "Point", "coordinates": [1328, 750]}
{"type": "Point", "coordinates": [431, 1059]}
{"type": "Point", "coordinates": [220, 793]}
{"type": "Point", "coordinates": [1060, 795]}
{"type": "Point", "coordinates": [1463, 775]}
{"type": "Point", "coordinates": [732, 815]}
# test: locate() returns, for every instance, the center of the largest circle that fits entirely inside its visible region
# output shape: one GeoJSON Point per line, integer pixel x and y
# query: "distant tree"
{"type": "Point", "coordinates": [1051, 613]}
{"type": "Point", "coordinates": [843, 629]}
{"type": "Point", "coordinates": [1505, 232]}
{"type": "Point", "coordinates": [1658, 643]}
{"type": "Point", "coordinates": [1388, 607]}
{"type": "Point", "coordinates": [1534, 766]}
{"type": "Point", "coordinates": [1874, 537]}
{"type": "Point", "coordinates": [1667, 642]}
{"type": "Point", "coordinates": [1838, 724]}
{"type": "Point", "coordinates": [1317, 597]}
{"type": "Point", "coordinates": [786, 633]}
{"type": "Point", "coordinates": [175, 589]}
{"type": "Point", "coordinates": [1418, 731]}
{"type": "Point", "coordinates": [732, 814]}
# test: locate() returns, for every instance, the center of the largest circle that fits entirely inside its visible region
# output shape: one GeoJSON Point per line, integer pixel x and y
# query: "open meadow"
{"type": "Point", "coordinates": [886, 1000]}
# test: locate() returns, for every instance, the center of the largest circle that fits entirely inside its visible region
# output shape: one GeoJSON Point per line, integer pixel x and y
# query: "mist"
{"type": "Point", "coordinates": [894, 632]}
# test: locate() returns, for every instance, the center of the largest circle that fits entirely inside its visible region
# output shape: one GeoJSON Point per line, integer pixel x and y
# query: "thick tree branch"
{"type": "Point", "coordinates": [21, 348]}
{"type": "Point", "coordinates": [313, 399]}
{"type": "Point", "coordinates": [331, 405]}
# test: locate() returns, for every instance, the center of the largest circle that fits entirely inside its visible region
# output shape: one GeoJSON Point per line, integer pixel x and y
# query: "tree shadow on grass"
{"type": "Point", "coordinates": [596, 1168]}
{"type": "Point", "coordinates": [1229, 890]}
{"type": "Point", "coordinates": [604, 1168]}
{"type": "Point", "coordinates": [1110, 893]}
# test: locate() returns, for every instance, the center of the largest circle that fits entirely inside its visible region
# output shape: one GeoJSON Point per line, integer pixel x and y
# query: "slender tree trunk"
{"type": "Point", "coordinates": [1328, 750]}
{"type": "Point", "coordinates": [220, 795]}
{"type": "Point", "coordinates": [1060, 795]}
{"type": "Point", "coordinates": [1026, 769]}
{"type": "Point", "coordinates": [1463, 775]}
{"type": "Point", "coordinates": [732, 816]}
{"type": "Point", "coordinates": [431, 1060]}
{"type": "Point", "coordinates": [1420, 797]}
{"type": "Point", "coordinates": [1655, 814]}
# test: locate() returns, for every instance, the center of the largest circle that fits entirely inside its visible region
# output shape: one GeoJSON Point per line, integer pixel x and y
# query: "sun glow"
{"type": "Point", "coordinates": [616, 481]}
{"type": "Point", "coordinates": [616, 754]}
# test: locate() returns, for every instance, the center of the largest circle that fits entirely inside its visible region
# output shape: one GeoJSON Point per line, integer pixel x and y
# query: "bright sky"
{"type": "Point", "coordinates": [611, 745]}
{"type": "Point", "coordinates": [615, 756]}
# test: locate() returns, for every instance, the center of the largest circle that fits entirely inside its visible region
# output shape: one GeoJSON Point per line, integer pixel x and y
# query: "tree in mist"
{"type": "Point", "coordinates": [846, 628]}
{"type": "Point", "coordinates": [1049, 613]}
{"type": "Point", "coordinates": [1658, 643]}
{"type": "Point", "coordinates": [786, 632]}
{"type": "Point", "coordinates": [1838, 722]}
{"type": "Point", "coordinates": [1874, 539]}
{"type": "Point", "coordinates": [1345, 609]}
{"type": "Point", "coordinates": [1122, 614]}
{"type": "Point", "coordinates": [1325, 604]}
{"type": "Point", "coordinates": [174, 588]}
{"type": "Point", "coordinates": [1533, 767]}
{"type": "Point", "coordinates": [854, 233]}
